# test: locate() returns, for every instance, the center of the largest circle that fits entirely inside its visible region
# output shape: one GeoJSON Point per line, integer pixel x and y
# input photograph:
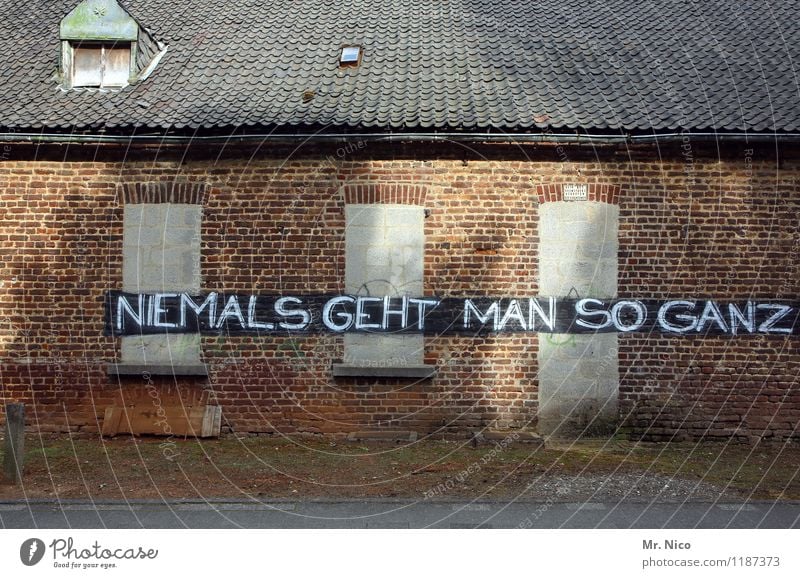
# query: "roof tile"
{"type": "Point", "coordinates": [457, 64]}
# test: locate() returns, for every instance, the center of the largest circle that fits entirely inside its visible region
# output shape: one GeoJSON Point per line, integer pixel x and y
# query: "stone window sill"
{"type": "Point", "coordinates": [409, 371]}
{"type": "Point", "coordinates": [139, 369]}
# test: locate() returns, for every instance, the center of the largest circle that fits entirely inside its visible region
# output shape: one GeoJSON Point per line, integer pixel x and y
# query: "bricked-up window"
{"type": "Point", "coordinates": [101, 65]}
{"type": "Point", "coordinates": [384, 256]}
{"type": "Point", "coordinates": [161, 254]}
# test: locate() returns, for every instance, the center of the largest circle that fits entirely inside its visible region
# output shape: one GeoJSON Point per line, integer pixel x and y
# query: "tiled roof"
{"type": "Point", "coordinates": [607, 65]}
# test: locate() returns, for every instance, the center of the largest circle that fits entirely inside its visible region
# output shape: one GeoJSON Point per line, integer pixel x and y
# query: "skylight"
{"type": "Point", "coordinates": [350, 56]}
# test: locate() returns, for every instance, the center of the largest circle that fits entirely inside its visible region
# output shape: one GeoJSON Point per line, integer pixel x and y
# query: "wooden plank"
{"type": "Point", "coordinates": [163, 410]}
{"type": "Point", "coordinates": [212, 420]}
{"type": "Point", "coordinates": [111, 421]}
{"type": "Point", "coordinates": [168, 420]}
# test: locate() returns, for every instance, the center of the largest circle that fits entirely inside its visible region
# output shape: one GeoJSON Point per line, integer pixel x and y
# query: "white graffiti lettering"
{"type": "Point", "coordinates": [130, 314]}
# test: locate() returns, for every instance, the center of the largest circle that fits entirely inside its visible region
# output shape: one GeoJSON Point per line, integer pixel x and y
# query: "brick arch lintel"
{"type": "Point", "coordinates": [163, 192]}
{"type": "Point", "coordinates": [385, 193]}
{"type": "Point", "coordinates": [597, 192]}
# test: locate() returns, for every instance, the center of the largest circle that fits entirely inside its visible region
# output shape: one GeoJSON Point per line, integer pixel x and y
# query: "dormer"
{"type": "Point", "coordinates": [103, 46]}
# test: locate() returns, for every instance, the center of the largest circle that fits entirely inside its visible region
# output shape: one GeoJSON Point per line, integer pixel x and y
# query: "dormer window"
{"type": "Point", "coordinates": [101, 65]}
{"type": "Point", "coordinates": [103, 46]}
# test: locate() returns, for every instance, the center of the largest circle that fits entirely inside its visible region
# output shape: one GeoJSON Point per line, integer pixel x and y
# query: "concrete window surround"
{"type": "Point", "coordinates": [384, 255]}
{"type": "Point", "coordinates": [161, 253]}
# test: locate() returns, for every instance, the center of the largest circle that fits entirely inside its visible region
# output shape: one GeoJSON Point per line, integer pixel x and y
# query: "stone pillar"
{"type": "Point", "coordinates": [578, 374]}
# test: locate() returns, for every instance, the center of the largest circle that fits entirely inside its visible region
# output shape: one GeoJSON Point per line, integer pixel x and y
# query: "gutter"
{"type": "Point", "coordinates": [430, 137]}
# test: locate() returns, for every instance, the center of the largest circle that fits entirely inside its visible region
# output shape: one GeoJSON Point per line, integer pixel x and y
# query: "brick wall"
{"type": "Point", "coordinates": [709, 224]}
{"type": "Point", "coordinates": [705, 228]}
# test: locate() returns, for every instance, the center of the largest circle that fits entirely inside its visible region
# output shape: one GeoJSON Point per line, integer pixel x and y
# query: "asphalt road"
{"type": "Point", "coordinates": [395, 514]}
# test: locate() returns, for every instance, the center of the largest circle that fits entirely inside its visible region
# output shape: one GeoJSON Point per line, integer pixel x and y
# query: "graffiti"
{"type": "Point", "coordinates": [560, 340]}
{"type": "Point", "coordinates": [219, 313]}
